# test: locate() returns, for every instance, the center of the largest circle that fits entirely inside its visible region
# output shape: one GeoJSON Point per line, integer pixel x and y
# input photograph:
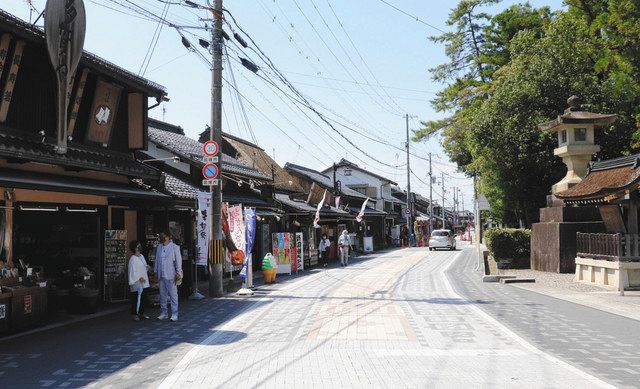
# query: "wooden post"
{"type": "Point", "coordinates": [8, 232]}
{"type": "Point", "coordinates": [632, 219]}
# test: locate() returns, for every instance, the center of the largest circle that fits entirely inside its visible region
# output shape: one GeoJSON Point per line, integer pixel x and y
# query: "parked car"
{"type": "Point", "coordinates": [442, 239]}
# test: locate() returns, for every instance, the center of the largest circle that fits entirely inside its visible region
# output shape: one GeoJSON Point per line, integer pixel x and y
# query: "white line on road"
{"type": "Point", "coordinates": [514, 336]}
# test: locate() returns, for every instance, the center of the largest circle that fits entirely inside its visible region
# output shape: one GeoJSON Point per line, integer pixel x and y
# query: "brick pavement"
{"type": "Point", "coordinates": [387, 321]}
{"type": "Point", "coordinates": [390, 322]}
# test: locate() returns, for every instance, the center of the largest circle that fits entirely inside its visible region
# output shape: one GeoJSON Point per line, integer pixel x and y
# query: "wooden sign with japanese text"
{"type": "Point", "coordinates": [103, 113]}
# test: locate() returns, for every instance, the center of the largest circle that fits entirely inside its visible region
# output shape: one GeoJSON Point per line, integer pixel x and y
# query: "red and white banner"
{"type": "Point", "coordinates": [320, 205]}
{"type": "Point", "coordinates": [236, 228]}
{"type": "Point", "coordinates": [361, 214]}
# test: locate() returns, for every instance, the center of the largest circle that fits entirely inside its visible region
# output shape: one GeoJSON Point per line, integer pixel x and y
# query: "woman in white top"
{"type": "Point", "coordinates": [138, 278]}
{"type": "Point", "coordinates": [324, 246]}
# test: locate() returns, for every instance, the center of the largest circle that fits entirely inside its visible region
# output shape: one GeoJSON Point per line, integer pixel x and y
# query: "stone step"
{"type": "Point", "coordinates": [495, 278]}
{"type": "Point", "coordinates": [517, 280]}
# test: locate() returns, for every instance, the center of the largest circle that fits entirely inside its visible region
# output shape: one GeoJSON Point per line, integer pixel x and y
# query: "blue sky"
{"type": "Point", "coordinates": [327, 69]}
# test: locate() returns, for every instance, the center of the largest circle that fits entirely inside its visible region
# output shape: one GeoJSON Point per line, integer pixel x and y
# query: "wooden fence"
{"type": "Point", "coordinates": [610, 247]}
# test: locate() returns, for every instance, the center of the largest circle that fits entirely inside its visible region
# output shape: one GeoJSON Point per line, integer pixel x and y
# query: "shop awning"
{"type": "Point", "coordinates": [267, 213]}
{"type": "Point", "coordinates": [368, 211]}
{"type": "Point", "coordinates": [36, 181]}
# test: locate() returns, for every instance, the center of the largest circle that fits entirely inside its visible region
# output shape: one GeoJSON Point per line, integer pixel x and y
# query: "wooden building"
{"type": "Point", "coordinates": [59, 210]}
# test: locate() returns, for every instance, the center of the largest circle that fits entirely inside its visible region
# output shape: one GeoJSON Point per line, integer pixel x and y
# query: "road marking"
{"type": "Point", "coordinates": [524, 343]}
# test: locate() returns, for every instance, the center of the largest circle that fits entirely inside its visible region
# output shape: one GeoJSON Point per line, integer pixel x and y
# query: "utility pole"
{"type": "Point", "coordinates": [409, 210]}
{"type": "Point", "coordinates": [455, 206]}
{"type": "Point", "coordinates": [444, 225]}
{"type": "Point", "coordinates": [430, 196]}
{"type": "Point", "coordinates": [215, 134]}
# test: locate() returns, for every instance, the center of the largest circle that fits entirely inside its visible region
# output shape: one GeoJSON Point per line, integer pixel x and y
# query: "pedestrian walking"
{"type": "Point", "coordinates": [343, 244]}
{"type": "Point", "coordinates": [325, 243]}
{"type": "Point", "coordinates": [138, 281]}
{"type": "Point", "coordinates": [168, 269]}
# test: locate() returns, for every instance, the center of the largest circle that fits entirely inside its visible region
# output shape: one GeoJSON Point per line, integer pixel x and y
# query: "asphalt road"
{"type": "Point", "coordinates": [406, 318]}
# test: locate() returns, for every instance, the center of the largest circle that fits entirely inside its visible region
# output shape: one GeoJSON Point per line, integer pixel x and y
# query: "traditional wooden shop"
{"type": "Point", "coordinates": [68, 209]}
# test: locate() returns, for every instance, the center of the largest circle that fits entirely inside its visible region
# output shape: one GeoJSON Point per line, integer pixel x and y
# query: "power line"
{"type": "Point", "coordinates": [285, 81]}
{"type": "Point", "coordinates": [417, 19]}
{"type": "Point", "coordinates": [154, 42]}
{"type": "Point", "coordinates": [348, 102]}
{"type": "Point", "coordinates": [313, 27]}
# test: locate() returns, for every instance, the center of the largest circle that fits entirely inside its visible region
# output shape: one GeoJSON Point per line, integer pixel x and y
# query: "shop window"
{"type": "Point", "coordinates": [580, 134]}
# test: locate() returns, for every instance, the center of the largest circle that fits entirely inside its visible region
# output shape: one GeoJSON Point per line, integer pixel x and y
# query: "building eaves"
{"type": "Point", "coordinates": [27, 31]}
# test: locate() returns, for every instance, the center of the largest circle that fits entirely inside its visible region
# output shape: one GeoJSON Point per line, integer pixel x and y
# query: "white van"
{"type": "Point", "coordinates": [442, 239]}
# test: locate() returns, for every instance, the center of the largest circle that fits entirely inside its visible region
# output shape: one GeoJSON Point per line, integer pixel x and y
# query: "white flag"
{"type": "Point", "coordinates": [320, 205]}
{"type": "Point", "coordinates": [361, 214]}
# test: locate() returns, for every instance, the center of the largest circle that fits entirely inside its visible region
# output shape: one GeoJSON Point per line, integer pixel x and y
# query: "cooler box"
{"type": "Point", "coordinates": [5, 310]}
{"type": "Point", "coordinates": [28, 306]}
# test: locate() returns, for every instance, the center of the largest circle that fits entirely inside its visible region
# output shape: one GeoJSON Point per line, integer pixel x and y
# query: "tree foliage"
{"type": "Point", "coordinates": [511, 71]}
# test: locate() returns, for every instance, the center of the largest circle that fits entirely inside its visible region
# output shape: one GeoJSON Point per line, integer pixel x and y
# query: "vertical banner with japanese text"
{"type": "Point", "coordinates": [236, 232]}
{"type": "Point", "coordinates": [203, 226]}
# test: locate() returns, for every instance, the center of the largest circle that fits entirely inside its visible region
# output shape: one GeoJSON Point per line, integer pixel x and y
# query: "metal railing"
{"type": "Point", "coordinates": [610, 247]}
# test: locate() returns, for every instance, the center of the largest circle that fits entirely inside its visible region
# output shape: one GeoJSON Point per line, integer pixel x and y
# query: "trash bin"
{"type": "Point", "coordinates": [58, 300]}
{"type": "Point", "coordinates": [5, 310]}
{"type": "Point", "coordinates": [84, 300]}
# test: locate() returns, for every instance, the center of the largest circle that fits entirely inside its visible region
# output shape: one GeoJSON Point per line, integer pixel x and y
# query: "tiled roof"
{"type": "Point", "coordinates": [185, 191]}
{"type": "Point", "coordinates": [178, 188]}
{"type": "Point", "coordinates": [600, 183]}
{"type": "Point", "coordinates": [191, 150]}
{"type": "Point", "coordinates": [24, 146]}
{"type": "Point", "coordinates": [321, 179]}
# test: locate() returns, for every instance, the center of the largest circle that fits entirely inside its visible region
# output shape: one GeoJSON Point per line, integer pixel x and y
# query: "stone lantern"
{"type": "Point", "coordinates": [576, 146]}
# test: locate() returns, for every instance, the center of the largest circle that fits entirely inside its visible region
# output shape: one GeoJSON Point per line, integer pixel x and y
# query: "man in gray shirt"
{"type": "Point", "coordinates": [168, 269]}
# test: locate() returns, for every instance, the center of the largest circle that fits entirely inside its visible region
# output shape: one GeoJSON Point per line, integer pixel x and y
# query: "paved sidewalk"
{"type": "Point", "coordinates": [596, 341]}
{"type": "Point", "coordinates": [562, 286]}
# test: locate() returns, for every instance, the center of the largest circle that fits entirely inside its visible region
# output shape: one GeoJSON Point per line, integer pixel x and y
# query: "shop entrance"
{"type": "Point", "coordinates": [60, 244]}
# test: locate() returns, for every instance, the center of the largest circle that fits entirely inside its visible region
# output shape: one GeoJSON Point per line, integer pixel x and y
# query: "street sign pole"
{"type": "Point", "coordinates": [215, 135]}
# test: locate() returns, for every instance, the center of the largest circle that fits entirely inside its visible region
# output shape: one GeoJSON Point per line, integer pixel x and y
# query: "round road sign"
{"type": "Point", "coordinates": [210, 171]}
{"type": "Point", "coordinates": [210, 148]}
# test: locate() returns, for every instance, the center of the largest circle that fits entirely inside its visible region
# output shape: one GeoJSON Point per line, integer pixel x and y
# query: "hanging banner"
{"type": "Point", "coordinates": [250, 235]}
{"type": "Point", "coordinates": [338, 201]}
{"type": "Point", "coordinates": [236, 234]}
{"type": "Point", "coordinates": [361, 214]}
{"type": "Point", "coordinates": [203, 226]}
{"type": "Point", "coordinates": [320, 205]}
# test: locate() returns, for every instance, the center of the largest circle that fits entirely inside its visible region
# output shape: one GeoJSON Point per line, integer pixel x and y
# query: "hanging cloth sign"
{"type": "Point", "coordinates": [203, 226]}
{"type": "Point", "coordinates": [361, 214]}
{"type": "Point", "coordinates": [320, 204]}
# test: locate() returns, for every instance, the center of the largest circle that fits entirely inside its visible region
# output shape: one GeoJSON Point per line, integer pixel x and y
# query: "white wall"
{"type": "Point", "coordinates": [359, 178]}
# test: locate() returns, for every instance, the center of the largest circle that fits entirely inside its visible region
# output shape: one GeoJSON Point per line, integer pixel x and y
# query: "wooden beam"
{"type": "Point", "coordinates": [7, 94]}
{"type": "Point", "coordinates": [4, 50]}
{"type": "Point", "coordinates": [136, 121]}
{"type": "Point", "coordinates": [632, 219]}
{"type": "Point", "coordinates": [41, 196]}
{"type": "Point", "coordinates": [73, 117]}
